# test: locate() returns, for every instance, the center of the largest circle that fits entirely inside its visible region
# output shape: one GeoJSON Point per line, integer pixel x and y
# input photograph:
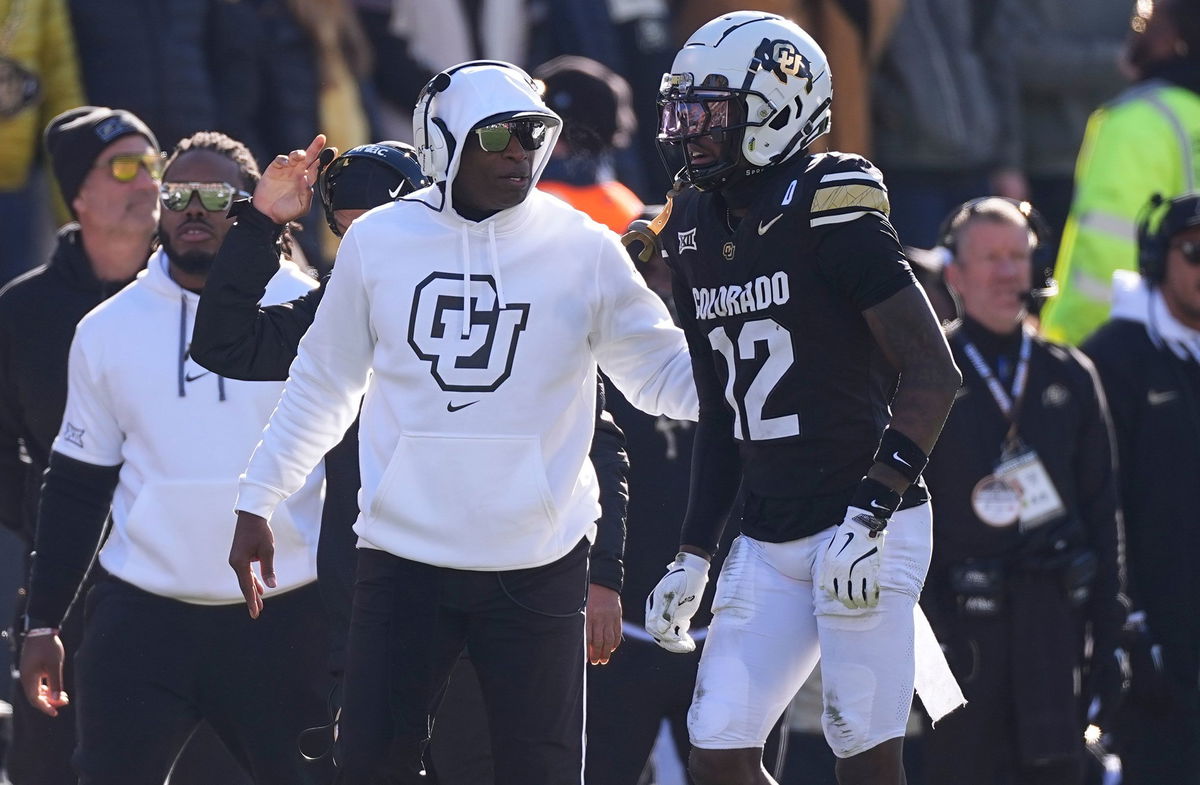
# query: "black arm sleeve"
{"type": "Point", "coordinates": [1119, 381]}
{"type": "Point", "coordinates": [234, 336]}
{"type": "Point", "coordinates": [716, 464]}
{"type": "Point", "coordinates": [76, 498]}
{"type": "Point", "coordinates": [612, 472]}
{"type": "Point", "coordinates": [1096, 475]}
{"type": "Point", "coordinates": [12, 468]}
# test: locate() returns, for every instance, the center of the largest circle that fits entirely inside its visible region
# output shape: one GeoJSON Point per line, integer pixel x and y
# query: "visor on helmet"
{"type": "Point", "coordinates": [698, 114]}
{"type": "Point", "coordinates": [688, 113]}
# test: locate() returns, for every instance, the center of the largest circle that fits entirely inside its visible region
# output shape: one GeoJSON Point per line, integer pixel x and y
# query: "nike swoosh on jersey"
{"type": "Point", "coordinates": [450, 407]}
{"type": "Point", "coordinates": [764, 228]}
{"type": "Point", "coordinates": [395, 192]}
{"type": "Point", "coordinates": [1156, 397]}
{"type": "Point", "coordinates": [190, 378]}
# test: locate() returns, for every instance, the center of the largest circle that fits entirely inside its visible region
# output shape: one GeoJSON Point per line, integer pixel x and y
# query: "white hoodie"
{"type": "Point", "coordinates": [476, 424]}
{"type": "Point", "coordinates": [181, 434]}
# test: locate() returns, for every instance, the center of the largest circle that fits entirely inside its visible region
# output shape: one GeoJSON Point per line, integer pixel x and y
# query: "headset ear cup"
{"type": "Point", "coordinates": [945, 233]}
{"type": "Point", "coordinates": [1151, 246]}
{"type": "Point", "coordinates": [441, 148]}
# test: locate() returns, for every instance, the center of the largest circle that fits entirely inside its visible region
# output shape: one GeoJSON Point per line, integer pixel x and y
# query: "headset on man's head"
{"type": "Point", "coordinates": [1178, 214]}
{"type": "Point", "coordinates": [433, 140]}
{"type": "Point", "coordinates": [1044, 285]}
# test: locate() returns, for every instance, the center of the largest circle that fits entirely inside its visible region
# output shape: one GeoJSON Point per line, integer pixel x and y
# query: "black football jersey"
{"type": "Point", "coordinates": [772, 309]}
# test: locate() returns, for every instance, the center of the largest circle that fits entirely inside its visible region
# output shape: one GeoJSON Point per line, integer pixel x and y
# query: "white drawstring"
{"type": "Point", "coordinates": [466, 255]}
{"type": "Point", "coordinates": [495, 259]}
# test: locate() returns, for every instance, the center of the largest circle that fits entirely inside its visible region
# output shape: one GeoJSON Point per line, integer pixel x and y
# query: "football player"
{"type": "Point", "coordinates": [824, 381]}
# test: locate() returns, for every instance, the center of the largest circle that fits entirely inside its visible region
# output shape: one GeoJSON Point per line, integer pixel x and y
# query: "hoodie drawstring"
{"type": "Point", "coordinates": [495, 259]}
{"type": "Point", "coordinates": [183, 344]}
{"type": "Point", "coordinates": [466, 255]}
{"type": "Point", "coordinates": [185, 349]}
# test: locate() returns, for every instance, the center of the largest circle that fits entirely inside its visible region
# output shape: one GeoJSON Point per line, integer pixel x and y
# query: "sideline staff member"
{"type": "Point", "coordinates": [1027, 537]}
{"type": "Point", "coordinates": [477, 499]}
{"type": "Point", "coordinates": [1148, 357]}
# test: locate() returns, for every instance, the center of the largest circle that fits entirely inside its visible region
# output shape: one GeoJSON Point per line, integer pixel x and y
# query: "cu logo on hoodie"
{"type": "Point", "coordinates": [470, 349]}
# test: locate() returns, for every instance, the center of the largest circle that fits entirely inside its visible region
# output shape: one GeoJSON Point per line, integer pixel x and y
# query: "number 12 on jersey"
{"type": "Point", "coordinates": [749, 422]}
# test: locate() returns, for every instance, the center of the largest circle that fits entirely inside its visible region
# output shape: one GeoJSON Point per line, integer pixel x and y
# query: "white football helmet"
{"type": "Point", "coordinates": [756, 83]}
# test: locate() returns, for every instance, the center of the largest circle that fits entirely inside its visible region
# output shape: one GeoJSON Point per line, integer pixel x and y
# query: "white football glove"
{"type": "Point", "coordinates": [675, 600]}
{"type": "Point", "coordinates": [850, 567]}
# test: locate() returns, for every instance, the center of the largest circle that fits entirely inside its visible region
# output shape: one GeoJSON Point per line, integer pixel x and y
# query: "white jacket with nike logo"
{"type": "Point", "coordinates": [477, 420]}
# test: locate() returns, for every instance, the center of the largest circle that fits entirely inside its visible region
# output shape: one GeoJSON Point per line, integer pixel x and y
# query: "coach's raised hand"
{"type": "Point", "coordinates": [285, 190]}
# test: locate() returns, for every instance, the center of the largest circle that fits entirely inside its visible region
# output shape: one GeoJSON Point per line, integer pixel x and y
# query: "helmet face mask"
{"type": "Point", "coordinates": [701, 120]}
{"type": "Point", "coordinates": [769, 78]}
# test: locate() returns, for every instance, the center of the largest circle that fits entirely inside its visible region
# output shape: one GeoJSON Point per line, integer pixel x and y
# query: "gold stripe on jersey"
{"type": "Point", "coordinates": [850, 196]}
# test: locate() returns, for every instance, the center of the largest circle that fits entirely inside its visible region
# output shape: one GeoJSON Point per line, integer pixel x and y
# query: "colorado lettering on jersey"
{"type": "Point", "coordinates": [757, 295]}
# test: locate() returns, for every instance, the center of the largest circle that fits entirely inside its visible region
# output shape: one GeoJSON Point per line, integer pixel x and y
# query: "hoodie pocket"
{"type": "Point", "coordinates": [175, 541]}
{"type": "Point", "coordinates": [466, 500]}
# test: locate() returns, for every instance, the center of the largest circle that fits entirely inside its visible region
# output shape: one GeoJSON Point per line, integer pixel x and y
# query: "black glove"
{"type": "Point", "coordinates": [1150, 685]}
{"type": "Point", "coordinates": [1108, 681]}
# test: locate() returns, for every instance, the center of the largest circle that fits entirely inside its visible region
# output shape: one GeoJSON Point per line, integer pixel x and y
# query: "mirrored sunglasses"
{"type": "Point", "coordinates": [213, 196]}
{"type": "Point", "coordinates": [125, 167]}
{"type": "Point", "coordinates": [1190, 251]}
{"type": "Point", "coordinates": [494, 138]}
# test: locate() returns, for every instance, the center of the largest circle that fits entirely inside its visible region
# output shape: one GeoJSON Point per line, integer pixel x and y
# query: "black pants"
{"type": "Point", "coordinates": [1159, 740]}
{"type": "Point", "coordinates": [979, 744]}
{"type": "Point", "coordinates": [337, 551]}
{"type": "Point", "coordinates": [151, 668]}
{"type": "Point", "coordinates": [411, 622]}
{"type": "Point", "coordinates": [627, 701]}
{"type": "Point", "coordinates": [42, 745]}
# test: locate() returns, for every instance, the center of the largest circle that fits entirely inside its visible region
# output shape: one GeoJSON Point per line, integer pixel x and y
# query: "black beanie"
{"type": "Point", "coordinates": [593, 101]}
{"type": "Point", "coordinates": [75, 139]}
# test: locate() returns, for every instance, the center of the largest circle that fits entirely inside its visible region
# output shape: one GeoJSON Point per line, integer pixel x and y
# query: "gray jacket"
{"type": "Point", "coordinates": [1066, 56]}
{"type": "Point", "coordinates": [945, 97]}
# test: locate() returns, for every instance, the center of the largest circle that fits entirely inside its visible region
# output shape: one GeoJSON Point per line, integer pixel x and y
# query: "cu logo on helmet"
{"type": "Point", "coordinates": [479, 361]}
{"type": "Point", "coordinates": [781, 58]}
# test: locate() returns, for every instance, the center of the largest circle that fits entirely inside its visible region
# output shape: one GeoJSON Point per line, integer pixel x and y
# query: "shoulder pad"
{"type": "Point", "coordinates": [844, 187]}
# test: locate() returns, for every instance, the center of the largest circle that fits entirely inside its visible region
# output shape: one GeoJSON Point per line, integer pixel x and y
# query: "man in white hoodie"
{"type": "Point", "coordinates": [472, 314]}
{"type": "Point", "coordinates": [160, 440]}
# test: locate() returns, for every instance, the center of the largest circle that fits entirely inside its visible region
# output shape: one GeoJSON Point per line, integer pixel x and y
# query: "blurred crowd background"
{"type": "Point", "coordinates": [952, 99]}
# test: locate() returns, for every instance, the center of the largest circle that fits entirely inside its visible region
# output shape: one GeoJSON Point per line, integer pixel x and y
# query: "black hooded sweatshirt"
{"type": "Point", "coordinates": [38, 314]}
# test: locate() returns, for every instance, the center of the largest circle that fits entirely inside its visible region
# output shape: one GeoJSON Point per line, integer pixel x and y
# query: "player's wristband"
{"type": "Point", "coordinates": [876, 498]}
{"type": "Point", "coordinates": [899, 452]}
{"type": "Point", "coordinates": [41, 632]}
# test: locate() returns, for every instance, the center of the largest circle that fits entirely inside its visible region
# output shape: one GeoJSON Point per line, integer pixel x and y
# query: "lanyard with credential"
{"type": "Point", "coordinates": [1009, 406]}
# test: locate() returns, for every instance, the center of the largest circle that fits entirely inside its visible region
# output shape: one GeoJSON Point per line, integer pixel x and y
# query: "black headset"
{"type": "Point", "coordinates": [1152, 245]}
{"type": "Point", "coordinates": [1044, 285]}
